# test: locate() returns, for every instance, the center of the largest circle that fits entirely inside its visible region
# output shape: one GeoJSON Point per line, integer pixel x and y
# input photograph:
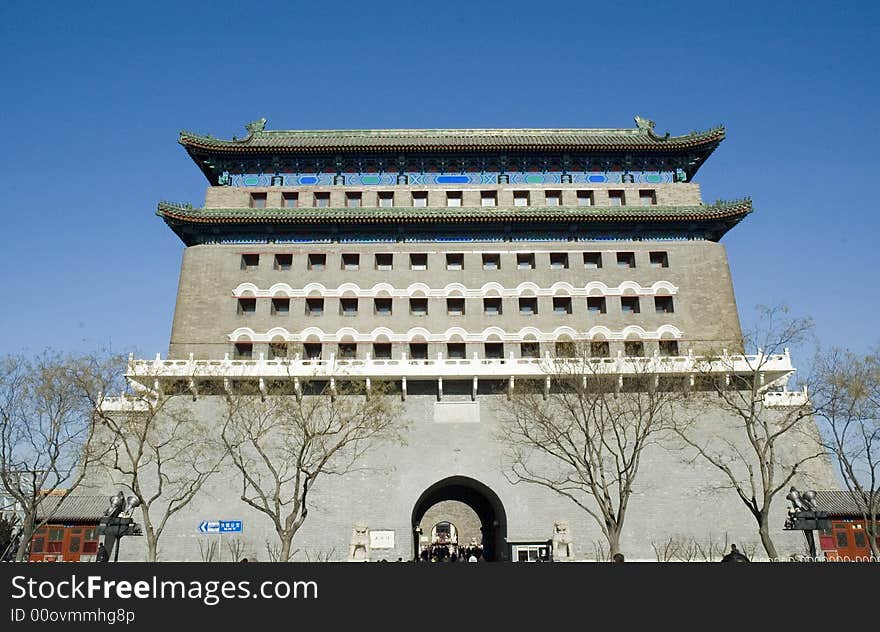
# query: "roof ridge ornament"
{"type": "Point", "coordinates": [647, 126]}
{"type": "Point", "coordinates": [256, 126]}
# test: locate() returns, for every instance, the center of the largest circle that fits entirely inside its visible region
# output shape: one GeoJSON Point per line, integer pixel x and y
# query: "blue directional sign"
{"type": "Point", "coordinates": [230, 526]}
{"type": "Point", "coordinates": [220, 526]}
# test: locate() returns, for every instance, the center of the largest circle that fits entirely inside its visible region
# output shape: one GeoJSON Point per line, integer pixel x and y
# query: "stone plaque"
{"type": "Point", "coordinates": [381, 539]}
{"type": "Point", "coordinates": [456, 412]}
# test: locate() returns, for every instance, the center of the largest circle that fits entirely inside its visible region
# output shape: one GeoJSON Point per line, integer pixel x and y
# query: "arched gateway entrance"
{"type": "Point", "coordinates": [474, 494]}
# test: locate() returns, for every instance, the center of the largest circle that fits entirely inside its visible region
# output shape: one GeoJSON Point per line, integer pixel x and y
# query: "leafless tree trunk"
{"type": "Point", "coordinates": [763, 458]}
{"type": "Point", "coordinates": [281, 445]}
{"type": "Point", "coordinates": [846, 394]}
{"type": "Point", "coordinates": [47, 430]}
{"type": "Point", "coordinates": [582, 434]}
{"type": "Point", "coordinates": [158, 450]}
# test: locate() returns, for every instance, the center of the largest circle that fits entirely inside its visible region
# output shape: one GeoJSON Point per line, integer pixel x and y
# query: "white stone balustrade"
{"type": "Point", "coordinates": [772, 369]}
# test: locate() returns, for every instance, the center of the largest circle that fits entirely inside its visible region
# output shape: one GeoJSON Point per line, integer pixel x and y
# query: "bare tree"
{"type": "Point", "coordinates": [766, 450]}
{"type": "Point", "coordinates": [581, 432]}
{"type": "Point", "coordinates": [236, 547]}
{"type": "Point", "coordinates": [208, 549]}
{"type": "Point", "coordinates": [281, 445]}
{"type": "Point", "coordinates": [154, 447]}
{"type": "Point", "coordinates": [846, 394]}
{"type": "Point", "coordinates": [47, 430]}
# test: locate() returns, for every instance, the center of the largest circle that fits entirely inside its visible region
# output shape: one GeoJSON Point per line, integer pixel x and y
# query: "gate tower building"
{"type": "Point", "coordinates": [452, 261]}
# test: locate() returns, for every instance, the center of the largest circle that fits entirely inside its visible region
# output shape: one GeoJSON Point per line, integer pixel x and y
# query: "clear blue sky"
{"type": "Point", "coordinates": [95, 94]}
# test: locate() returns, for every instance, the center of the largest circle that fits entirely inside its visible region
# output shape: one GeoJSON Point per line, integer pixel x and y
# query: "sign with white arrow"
{"type": "Point", "coordinates": [220, 526]}
{"type": "Point", "coordinates": [209, 526]}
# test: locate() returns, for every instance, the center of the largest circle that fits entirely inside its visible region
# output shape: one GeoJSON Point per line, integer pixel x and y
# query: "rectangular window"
{"type": "Point", "coordinates": [281, 306]}
{"type": "Point", "coordinates": [347, 350]}
{"type": "Point", "coordinates": [634, 349]}
{"type": "Point", "coordinates": [593, 260]}
{"type": "Point", "coordinates": [420, 198]}
{"type": "Point", "coordinates": [317, 261]}
{"type": "Point", "coordinates": [616, 198]}
{"type": "Point", "coordinates": [491, 261]}
{"type": "Point", "coordinates": [283, 262]}
{"type": "Point", "coordinates": [322, 200]}
{"type": "Point", "coordinates": [418, 350]}
{"type": "Point", "coordinates": [647, 197]}
{"type": "Point", "coordinates": [348, 306]}
{"type": "Point", "coordinates": [668, 348]}
{"type": "Point", "coordinates": [626, 260]}
{"type": "Point", "coordinates": [558, 260]}
{"type": "Point", "coordinates": [312, 350]}
{"type": "Point", "coordinates": [525, 261]}
{"type": "Point", "coordinates": [244, 350]}
{"type": "Point", "coordinates": [455, 307]}
{"type": "Point", "coordinates": [562, 305]}
{"type": "Point", "coordinates": [596, 304]}
{"type": "Point", "coordinates": [418, 261]}
{"type": "Point", "coordinates": [529, 350]}
{"type": "Point", "coordinates": [585, 198]}
{"type": "Point", "coordinates": [418, 306]}
{"type": "Point", "coordinates": [386, 199]}
{"type": "Point", "coordinates": [629, 304]}
{"type": "Point", "coordinates": [528, 306]}
{"type": "Point", "coordinates": [290, 200]}
{"type": "Point", "coordinates": [553, 198]}
{"type": "Point", "coordinates": [314, 307]}
{"type": "Point", "coordinates": [351, 261]}
{"type": "Point", "coordinates": [494, 350]}
{"type": "Point", "coordinates": [455, 261]}
{"type": "Point", "coordinates": [488, 198]}
{"type": "Point", "coordinates": [250, 262]}
{"type": "Point", "coordinates": [492, 306]}
{"type": "Point", "coordinates": [456, 350]}
{"type": "Point", "coordinates": [659, 260]}
{"type": "Point", "coordinates": [384, 261]}
{"type": "Point", "coordinates": [453, 198]}
{"type": "Point", "coordinates": [247, 306]}
{"type": "Point", "coordinates": [382, 350]}
{"type": "Point", "coordinates": [520, 198]}
{"type": "Point", "coordinates": [382, 306]}
{"type": "Point", "coordinates": [277, 350]}
{"type": "Point", "coordinates": [663, 305]}
{"type": "Point", "coordinates": [600, 349]}
{"type": "Point", "coordinates": [353, 200]}
{"type": "Point", "coordinates": [258, 200]}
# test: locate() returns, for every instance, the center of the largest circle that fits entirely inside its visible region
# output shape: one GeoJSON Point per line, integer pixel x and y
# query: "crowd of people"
{"type": "Point", "coordinates": [439, 552]}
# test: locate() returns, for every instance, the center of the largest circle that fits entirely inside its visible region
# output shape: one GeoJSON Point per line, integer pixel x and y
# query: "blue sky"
{"type": "Point", "coordinates": [95, 94]}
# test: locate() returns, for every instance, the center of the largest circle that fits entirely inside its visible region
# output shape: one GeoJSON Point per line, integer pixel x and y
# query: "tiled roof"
{"type": "Point", "coordinates": [642, 137]}
{"type": "Point", "coordinates": [306, 215]}
{"type": "Point", "coordinates": [837, 503]}
{"type": "Point", "coordinates": [74, 508]}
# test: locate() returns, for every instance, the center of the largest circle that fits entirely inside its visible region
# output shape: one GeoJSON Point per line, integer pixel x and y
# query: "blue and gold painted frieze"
{"type": "Point", "coordinates": [435, 178]}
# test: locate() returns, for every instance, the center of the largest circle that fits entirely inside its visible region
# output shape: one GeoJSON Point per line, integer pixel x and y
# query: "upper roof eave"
{"type": "Point", "coordinates": [311, 141]}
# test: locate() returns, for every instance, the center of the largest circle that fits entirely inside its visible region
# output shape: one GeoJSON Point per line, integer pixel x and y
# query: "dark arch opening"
{"type": "Point", "coordinates": [477, 496]}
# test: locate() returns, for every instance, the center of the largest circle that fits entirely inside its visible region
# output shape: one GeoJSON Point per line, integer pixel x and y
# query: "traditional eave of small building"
{"type": "Point", "coordinates": [839, 503]}
{"type": "Point", "coordinates": [725, 213]}
{"type": "Point", "coordinates": [207, 150]}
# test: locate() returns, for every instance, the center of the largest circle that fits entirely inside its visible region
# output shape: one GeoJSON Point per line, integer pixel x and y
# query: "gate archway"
{"type": "Point", "coordinates": [477, 496]}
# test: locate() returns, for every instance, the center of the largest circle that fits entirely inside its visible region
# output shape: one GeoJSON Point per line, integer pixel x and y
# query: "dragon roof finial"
{"type": "Point", "coordinates": [256, 126]}
{"type": "Point", "coordinates": [646, 125]}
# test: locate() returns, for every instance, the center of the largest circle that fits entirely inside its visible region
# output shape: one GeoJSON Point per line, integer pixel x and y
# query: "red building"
{"type": "Point", "coordinates": [847, 539]}
{"type": "Point", "coordinates": [71, 533]}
